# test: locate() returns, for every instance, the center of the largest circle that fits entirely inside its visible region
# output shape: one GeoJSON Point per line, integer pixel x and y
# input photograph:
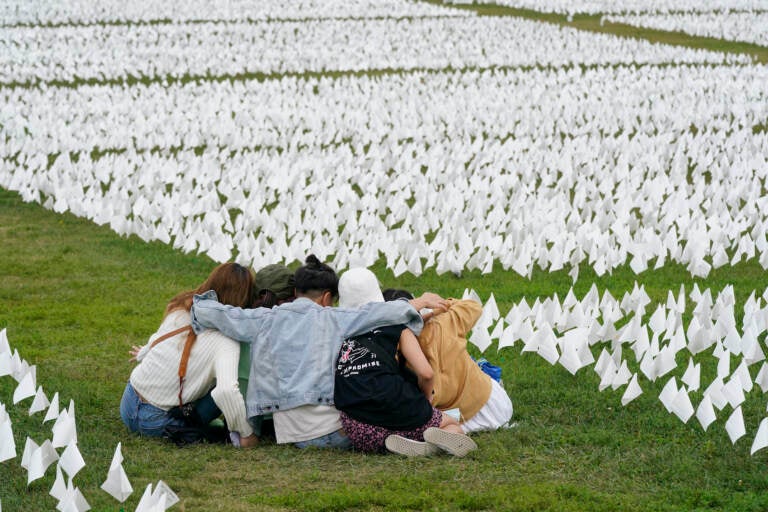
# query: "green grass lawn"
{"type": "Point", "coordinates": [75, 296]}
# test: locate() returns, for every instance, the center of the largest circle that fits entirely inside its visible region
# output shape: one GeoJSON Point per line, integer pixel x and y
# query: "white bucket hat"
{"type": "Point", "coordinates": [358, 286]}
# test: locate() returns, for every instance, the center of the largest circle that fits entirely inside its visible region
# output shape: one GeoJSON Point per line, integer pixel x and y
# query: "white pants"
{"type": "Point", "coordinates": [496, 412]}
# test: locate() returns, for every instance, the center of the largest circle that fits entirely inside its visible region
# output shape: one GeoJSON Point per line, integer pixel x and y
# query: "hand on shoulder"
{"type": "Point", "coordinates": [430, 301]}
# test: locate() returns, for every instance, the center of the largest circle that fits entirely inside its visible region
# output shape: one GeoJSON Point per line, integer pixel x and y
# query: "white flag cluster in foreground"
{"type": "Point", "coordinates": [38, 457]}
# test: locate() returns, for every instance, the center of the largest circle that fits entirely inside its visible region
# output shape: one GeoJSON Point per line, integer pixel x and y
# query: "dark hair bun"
{"type": "Point", "coordinates": [312, 261]}
{"type": "Point", "coordinates": [316, 275]}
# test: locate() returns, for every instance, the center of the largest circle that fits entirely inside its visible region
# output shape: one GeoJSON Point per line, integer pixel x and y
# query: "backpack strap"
{"type": "Point", "coordinates": [191, 337]}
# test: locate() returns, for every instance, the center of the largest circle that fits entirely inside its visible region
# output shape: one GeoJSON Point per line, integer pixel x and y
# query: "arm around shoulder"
{"type": "Point", "coordinates": [236, 323]}
{"type": "Point", "coordinates": [430, 301]}
{"type": "Point", "coordinates": [464, 314]}
{"type": "Point", "coordinates": [378, 314]}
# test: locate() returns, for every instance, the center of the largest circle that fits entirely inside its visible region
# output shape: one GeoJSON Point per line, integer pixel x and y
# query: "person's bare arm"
{"type": "Point", "coordinates": [409, 346]}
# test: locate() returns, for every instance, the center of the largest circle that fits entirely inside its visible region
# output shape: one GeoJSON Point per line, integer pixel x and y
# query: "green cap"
{"type": "Point", "coordinates": [276, 278]}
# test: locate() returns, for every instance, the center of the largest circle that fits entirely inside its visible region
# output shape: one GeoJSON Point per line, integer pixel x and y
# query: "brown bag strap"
{"type": "Point", "coordinates": [171, 334]}
{"type": "Point", "coordinates": [191, 337]}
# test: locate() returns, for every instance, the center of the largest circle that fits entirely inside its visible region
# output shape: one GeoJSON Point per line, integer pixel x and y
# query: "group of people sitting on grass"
{"type": "Point", "coordinates": [376, 373]}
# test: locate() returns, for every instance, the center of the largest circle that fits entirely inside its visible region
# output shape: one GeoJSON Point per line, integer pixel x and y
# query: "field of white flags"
{"type": "Point", "coordinates": [80, 12]}
{"type": "Point", "coordinates": [424, 138]}
{"type": "Point", "coordinates": [540, 145]}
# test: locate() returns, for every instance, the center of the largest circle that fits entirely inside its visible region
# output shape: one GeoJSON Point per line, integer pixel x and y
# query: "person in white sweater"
{"type": "Point", "coordinates": [210, 382]}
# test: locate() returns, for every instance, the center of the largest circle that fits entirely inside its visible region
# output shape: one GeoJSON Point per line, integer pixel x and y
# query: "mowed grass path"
{"type": "Point", "coordinates": [592, 23]}
{"type": "Point", "coordinates": [75, 296]}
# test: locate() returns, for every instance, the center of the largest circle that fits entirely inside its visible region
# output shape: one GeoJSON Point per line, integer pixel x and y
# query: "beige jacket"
{"type": "Point", "coordinates": [459, 381]}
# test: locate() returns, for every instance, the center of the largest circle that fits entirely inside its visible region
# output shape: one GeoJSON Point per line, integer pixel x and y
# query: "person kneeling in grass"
{"type": "Point", "coordinates": [381, 402]}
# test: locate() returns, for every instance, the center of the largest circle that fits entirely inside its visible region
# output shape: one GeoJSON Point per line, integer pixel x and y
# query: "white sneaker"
{"type": "Point", "coordinates": [452, 442]}
{"type": "Point", "coordinates": [408, 447]}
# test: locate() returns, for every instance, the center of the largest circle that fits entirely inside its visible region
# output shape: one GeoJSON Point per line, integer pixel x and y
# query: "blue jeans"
{"type": "Point", "coordinates": [148, 420]}
{"type": "Point", "coordinates": [335, 439]}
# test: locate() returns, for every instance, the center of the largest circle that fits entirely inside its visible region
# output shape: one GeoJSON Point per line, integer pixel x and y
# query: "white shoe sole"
{"type": "Point", "coordinates": [408, 447]}
{"type": "Point", "coordinates": [454, 443]}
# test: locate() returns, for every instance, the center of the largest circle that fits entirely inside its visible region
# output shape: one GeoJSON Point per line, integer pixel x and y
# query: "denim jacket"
{"type": "Point", "coordinates": [294, 346]}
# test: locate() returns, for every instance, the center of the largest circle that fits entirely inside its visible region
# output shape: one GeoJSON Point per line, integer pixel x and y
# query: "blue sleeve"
{"type": "Point", "coordinates": [379, 314]}
{"type": "Point", "coordinates": [236, 323]}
